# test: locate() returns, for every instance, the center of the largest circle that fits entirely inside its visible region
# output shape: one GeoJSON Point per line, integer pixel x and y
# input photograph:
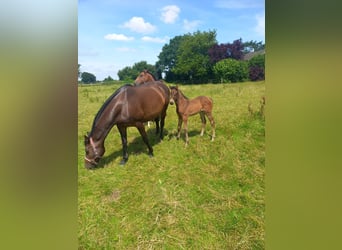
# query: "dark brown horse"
{"type": "Point", "coordinates": [126, 107]}
{"type": "Point", "coordinates": [144, 77]}
{"type": "Point", "coordinates": [186, 108]}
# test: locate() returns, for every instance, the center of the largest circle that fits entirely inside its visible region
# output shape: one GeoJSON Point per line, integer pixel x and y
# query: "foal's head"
{"type": "Point", "coordinates": [174, 94]}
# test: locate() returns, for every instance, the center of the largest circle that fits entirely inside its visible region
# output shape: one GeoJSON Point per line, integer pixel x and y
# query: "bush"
{"type": "Point", "coordinates": [256, 73]}
{"type": "Point", "coordinates": [257, 61]}
{"type": "Point", "coordinates": [231, 70]}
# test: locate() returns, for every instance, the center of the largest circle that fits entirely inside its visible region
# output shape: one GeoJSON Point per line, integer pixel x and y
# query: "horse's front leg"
{"type": "Point", "coordinates": [123, 134]}
{"type": "Point", "coordinates": [141, 128]}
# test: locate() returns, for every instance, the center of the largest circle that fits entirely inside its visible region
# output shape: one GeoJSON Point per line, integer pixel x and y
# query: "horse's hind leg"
{"type": "Point", "coordinates": [212, 123]}
{"type": "Point", "coordinates": [162, 123]}
{"type": "Point", "coordinates": [204, 121]}
{"type": "Point", "coordinates": [157, 125]}
{"type": "Point", "coordinates": [143, 134]}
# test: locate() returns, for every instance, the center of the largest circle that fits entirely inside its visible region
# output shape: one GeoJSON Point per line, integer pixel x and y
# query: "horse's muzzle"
{"type": "Point", "coordinates": [89, 164]}
{"type": "Point", "coordinates": [172, 101]}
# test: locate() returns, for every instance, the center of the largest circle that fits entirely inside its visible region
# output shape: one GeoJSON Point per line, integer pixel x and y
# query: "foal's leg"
{"type": "Point", "coordinates": [204, 121]}
{"type": "Point", "coordinates": [180, 121]}
{"type": "Point", "coordinates": [141, 128]}
{"type": "Point", "coordinates": [185, 120]}
{"type": "Point", "coordinates": [123, 133]}
{"type": "Point", "coordinates": [212, 123]}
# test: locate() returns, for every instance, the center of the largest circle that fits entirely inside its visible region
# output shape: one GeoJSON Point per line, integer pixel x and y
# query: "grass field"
{"type": "Point", "coordinates": [209, 195]}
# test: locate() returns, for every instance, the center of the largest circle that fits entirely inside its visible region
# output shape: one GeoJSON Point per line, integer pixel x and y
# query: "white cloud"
{"type": "Point", "coordinates": [239, 4]}
{"type": "Point", "coordinates": [170, 13]}
{"type": "Point", "coordinates": [260, 27]}
{"type": "Point", "coordinates": [118, 37]}
{"type": "Point", "coordinates": [138, 24]}
{"type": "Point", "coordinates": [155, 39]}
{"type": "Point", "coordinates": [190, 25]}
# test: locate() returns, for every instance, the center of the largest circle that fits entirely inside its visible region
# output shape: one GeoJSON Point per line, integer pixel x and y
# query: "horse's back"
{"type": "Point", "coordinates": [145, 102]}
{"type": "Point", "coordinates": [200, 103]}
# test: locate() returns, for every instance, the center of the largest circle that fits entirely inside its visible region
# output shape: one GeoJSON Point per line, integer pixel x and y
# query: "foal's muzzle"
{"type": "Point", "coordinates": [172, 101]}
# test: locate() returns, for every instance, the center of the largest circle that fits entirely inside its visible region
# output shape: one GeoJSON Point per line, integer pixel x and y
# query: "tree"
{"type": "Point", "coordinates": [88, 77]}
{"type": "Point", "coordinates": [231, 70]}
{"type": "Point", "coordinates": [192, 56]}
{"type": "Point", "coordinates": [130, 73]}
{"type": "Point", "coordinates": [168, 58]}
{"type": "Point", "coordinates": [226, 50]}
{"type": "Point", "coordinates": [251, 46]}
{"type": "Point", "coordinates": [108, 79]}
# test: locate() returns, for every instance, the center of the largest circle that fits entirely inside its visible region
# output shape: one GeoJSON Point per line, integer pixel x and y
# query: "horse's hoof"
{"type": "Point", "coordinates": [123, 162]}
{"type": "Point", "coordinates": [151, 155]}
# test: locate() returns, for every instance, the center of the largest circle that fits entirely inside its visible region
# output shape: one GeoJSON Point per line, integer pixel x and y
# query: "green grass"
{"type": "Point", "coordinates": [209, 195]}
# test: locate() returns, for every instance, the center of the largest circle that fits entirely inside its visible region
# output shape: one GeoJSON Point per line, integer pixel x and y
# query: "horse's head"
{"type": "Point", "coordinates": [143, 77]}
{"type": "Point", "coordinates": [93, 153]}
{"type": "Point", "coordinates": [174, 94]}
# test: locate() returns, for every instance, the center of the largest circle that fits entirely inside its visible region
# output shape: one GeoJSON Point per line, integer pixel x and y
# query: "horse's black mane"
{"type": "Point", "coordinates": [105, 104]}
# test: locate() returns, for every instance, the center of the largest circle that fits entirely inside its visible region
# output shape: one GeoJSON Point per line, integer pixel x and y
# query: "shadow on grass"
{"type": "Point", "coordinates": [136, 147]}
{"type": "Point", "coordinates": [192, 133]}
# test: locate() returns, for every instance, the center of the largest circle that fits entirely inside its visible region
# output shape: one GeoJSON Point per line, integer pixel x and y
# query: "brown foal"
{"type": "Point", "coordinates": [186, 108]}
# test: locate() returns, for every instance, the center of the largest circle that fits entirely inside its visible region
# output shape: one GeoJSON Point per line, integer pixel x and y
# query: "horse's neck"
{"type": "Point", "coordinates": [182, 101]}
{"type": "Point", "coordinates": [99, 134]}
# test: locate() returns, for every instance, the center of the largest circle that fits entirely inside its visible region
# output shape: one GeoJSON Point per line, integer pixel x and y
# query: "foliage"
{"type": "Point", "coordinates": [257, 68]}
{"type": "Point", "coordinates": [251, 46]}
{"type": "Point", "coordinates": [88, 77]}
{"type": "Point", "coordinates": [108, 79]}
{"type": "Point", "coordinates": [231, 70]}
{"type": "Point", "coordinates": [192, 55]}
{"type": "Point", "coordinates": [186, 57]}
{"type": "Point", "coordinates": [210, 195]}
{"type": "Point", "coordinates": [226, 50]}
{"type": "Point", "coordinates": [258, 61]}
{"type": "Point", "coordinates": [168, 57]}
{"type": "Point", "coordinates": [190, 58]}
{"type": "Point", "coordinates": [256, 73]}
{"type": "Point", "coordinates": [130, 73]}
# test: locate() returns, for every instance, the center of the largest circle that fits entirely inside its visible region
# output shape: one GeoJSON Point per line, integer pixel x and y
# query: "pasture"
{"type": "Point", "coordinates": [208, 195]}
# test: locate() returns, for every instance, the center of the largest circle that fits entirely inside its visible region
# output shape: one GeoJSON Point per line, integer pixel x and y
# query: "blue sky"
{"type": "Point", "coordinates": [113, 34]}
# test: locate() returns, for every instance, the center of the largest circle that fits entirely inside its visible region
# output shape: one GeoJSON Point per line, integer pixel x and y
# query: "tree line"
{"type": "Point", "coordinates": [198, 58]}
